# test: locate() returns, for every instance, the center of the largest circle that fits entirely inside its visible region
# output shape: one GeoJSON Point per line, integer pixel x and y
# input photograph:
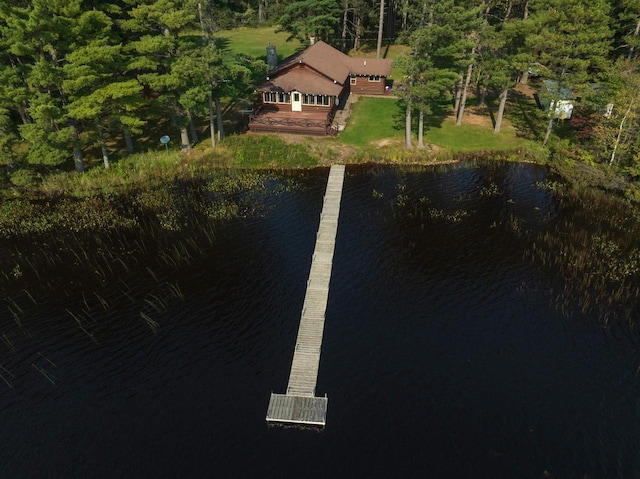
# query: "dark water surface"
{"type": "Point", "coordinates": [444, 355]}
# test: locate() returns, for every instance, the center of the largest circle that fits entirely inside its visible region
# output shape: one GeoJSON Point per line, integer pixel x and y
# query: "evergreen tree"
{"type": "Point", "coordinates": [305, 19]}
{"type": "Point", "coordinates": [160, 48]}
{"type": "Point", "coordinates": [574, 39]}
{"type": "Point", "coordinates": [431, 66]}
{"type": "Point", "coordinates": [628, 27]}
{"type": "Point", "coordinates": [47, 34]}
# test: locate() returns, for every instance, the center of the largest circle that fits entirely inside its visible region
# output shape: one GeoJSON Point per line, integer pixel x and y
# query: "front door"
{"type": "Point", "coordinates": [296, 101]}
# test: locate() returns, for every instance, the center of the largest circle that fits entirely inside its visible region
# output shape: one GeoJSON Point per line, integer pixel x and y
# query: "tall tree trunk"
{"type": "Point", "coordinates": [185, 145]}
{"type": "Point", "coordinates": [507, 14]}
{"type": "Point", "coordinates": [128, 141]}
{"type": "Point", "coordinates": [463, 100]}
{"type": "Point", "coordinates": [78, 161]}
{"type": "Point", "coordinates": [405, 17]}
{"type": "Point", "coordinates": [620, 129]}
{"type": "Point", "coordinates": [192, 128]}
{"type": "Point", "coordinates": [482, 96]}
{"type": "Point", "coordinates": [23, 111]}
{"type": "Point", "coordinates": [103, 146]}
{"type": "Point", "coordinates": [345, 19]}
{"type": "Point", "coordinates": [219, 117]}
{"type": "Point", "coordinates": [380, 28]}
{"type": "Point", "coordinates": [524, 79]}
{"type": "Point", "coordinates": [458, 94]}
{"type": "Point", "coordinates": [526, 10]}
{"type": "Point", "coordinates": [636, 32]}
{"type": "Point", "coordinates": [549, 128]}
{"type": "Point", "coordinates": [261, 13]}
{"type": "Point", "coordinates": [503, 102]}
{"type": "Point", "coordinates": [358, 22]}
{"type": "Point", "coordinates": [421, 129]}
{"type": "Point", "coordinates": [202, 32]}
{"type": "Point", "coordinates": [212, 128]}
{"type": "Point", "coordinates": [407, 126]}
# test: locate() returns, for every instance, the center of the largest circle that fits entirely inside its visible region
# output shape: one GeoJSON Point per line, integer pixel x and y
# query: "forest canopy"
{"type": "Point", "coordinates": [78, 74]}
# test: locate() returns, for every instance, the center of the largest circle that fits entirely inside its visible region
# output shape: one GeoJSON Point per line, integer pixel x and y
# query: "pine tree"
{"type": "Point", "coordinates": [431, 66]}
{"type": "Point", "coordinates": [573, 38]}
{"type": "Point", "coordinates": [317, 19]}
{"type": "Point", "coordinates": [159, 49]}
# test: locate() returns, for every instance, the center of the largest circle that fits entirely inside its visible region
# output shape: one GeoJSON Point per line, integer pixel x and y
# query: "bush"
{"type": "Point", "coordinates": [23, 178]}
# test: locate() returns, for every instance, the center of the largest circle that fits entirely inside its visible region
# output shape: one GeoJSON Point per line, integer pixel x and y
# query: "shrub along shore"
{"type": "Point", "coordinates": [251, 151]}
{"type": "Point", "coordinates": [77, 201]}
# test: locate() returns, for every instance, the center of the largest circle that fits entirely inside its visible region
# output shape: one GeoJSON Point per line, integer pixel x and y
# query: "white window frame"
{"type": "Point", "coordinates": [284, 97]}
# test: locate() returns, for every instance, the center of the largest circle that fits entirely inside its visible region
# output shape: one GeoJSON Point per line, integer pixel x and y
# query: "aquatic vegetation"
{"type": "Point", "coordinates": [490, 190]}
{"type": "Point", "coordinates": [550, 185]}
{"type": "Point", "coordinates": [402, 200]}
{"type": "Point", "coordinates": [80, 246]}
{"type": "Point", "coordinates": [594, 247]}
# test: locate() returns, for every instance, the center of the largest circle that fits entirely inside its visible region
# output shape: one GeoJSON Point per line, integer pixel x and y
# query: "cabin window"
{"type": "Point", "coordinates": [308, 99]}
{"type": "Point", "coordinates": [322, 100]}
{"type": "Point", "coordinates": [284, 97]}
{"type": "Point", "coordinates": [353, 81]}
{"type": "Point", "coordinates": [374, 78]}
{"type": "Point", "coordinates": [270, 97]}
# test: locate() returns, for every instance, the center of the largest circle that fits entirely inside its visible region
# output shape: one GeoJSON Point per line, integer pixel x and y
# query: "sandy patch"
{"type": "Point", "coordinates": [385, 142]}
{"type": "Point", "coordinates": [473, 116]}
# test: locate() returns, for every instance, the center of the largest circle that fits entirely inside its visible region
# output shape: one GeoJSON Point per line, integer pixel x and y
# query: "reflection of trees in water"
{"type": "Point", "coordinates": [587, 239]}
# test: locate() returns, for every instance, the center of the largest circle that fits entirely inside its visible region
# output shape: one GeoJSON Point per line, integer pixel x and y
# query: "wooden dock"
{"type": "Point", "coordinates": [300, 404]}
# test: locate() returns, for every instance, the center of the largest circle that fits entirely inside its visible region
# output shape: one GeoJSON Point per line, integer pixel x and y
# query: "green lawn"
{"type": "Point", "coordinates": [373, 120]}
{"type": "Point", "coordinates": [379, 122]}
{"type": "Point", "coordinates": [254, 41]}
{"type": "Point", "coordinates": [472, 137]}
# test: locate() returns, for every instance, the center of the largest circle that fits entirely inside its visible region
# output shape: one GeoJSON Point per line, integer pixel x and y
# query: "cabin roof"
{"type": "Point", "coordinates": [332, 68]}
{"type": "Point", "coordinates": [557, 90]}
{"type": "Point", "coordinates": [304, 81]}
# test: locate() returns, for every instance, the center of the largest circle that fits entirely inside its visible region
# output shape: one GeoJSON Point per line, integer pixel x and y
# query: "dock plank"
{"type": "Point", "coordinates": [300, 404]}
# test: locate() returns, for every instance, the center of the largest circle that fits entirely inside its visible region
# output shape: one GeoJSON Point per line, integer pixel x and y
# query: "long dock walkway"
{"type": "Point", "coordinates": [300, 405]}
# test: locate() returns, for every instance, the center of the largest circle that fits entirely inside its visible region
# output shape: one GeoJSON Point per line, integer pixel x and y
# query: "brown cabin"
{"type": "Point", "coordinates": [302, 94]}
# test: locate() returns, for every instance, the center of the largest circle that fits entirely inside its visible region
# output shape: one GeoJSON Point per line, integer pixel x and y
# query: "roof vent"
{"type": "Point", "coordinates": [365, 63]}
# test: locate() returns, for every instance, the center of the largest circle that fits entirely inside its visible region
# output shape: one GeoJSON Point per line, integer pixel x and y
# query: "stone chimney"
{"type": "Point", "coordinates": [272, 57]}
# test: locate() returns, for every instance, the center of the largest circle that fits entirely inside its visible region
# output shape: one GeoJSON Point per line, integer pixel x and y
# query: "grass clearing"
{"type": "Point", "coordinates": [470, 137]}
{"type": "Point", "coordinates": [374, 121]}
{"type": "Point", "coordinates": [379, 122]}
{"type": "Point", "coordinates": [254, 41]}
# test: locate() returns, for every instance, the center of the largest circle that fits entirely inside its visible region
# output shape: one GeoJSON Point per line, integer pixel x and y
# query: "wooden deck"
{"type": "Point", "coordinates": [300, 405]}
{"type": "Point", "coordinates": [282, 121]}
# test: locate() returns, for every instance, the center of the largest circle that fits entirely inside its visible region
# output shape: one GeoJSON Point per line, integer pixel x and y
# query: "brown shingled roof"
{"type": "Point", "coordinates": [323, 58]}
{"type": "Point", "coordinates": [332, 63]}
{"type": "Point", "coordinates": [369, 66]}
{"type": "Point", "coordinates": [304, 81]}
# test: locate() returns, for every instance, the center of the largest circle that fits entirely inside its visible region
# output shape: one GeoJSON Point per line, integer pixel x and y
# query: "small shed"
{"type": "Point", "coordinates": [557, 99]}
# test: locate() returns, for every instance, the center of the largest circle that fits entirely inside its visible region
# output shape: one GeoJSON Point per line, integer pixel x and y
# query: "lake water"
{"type": "Point", "coordinates": [445, 354]}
